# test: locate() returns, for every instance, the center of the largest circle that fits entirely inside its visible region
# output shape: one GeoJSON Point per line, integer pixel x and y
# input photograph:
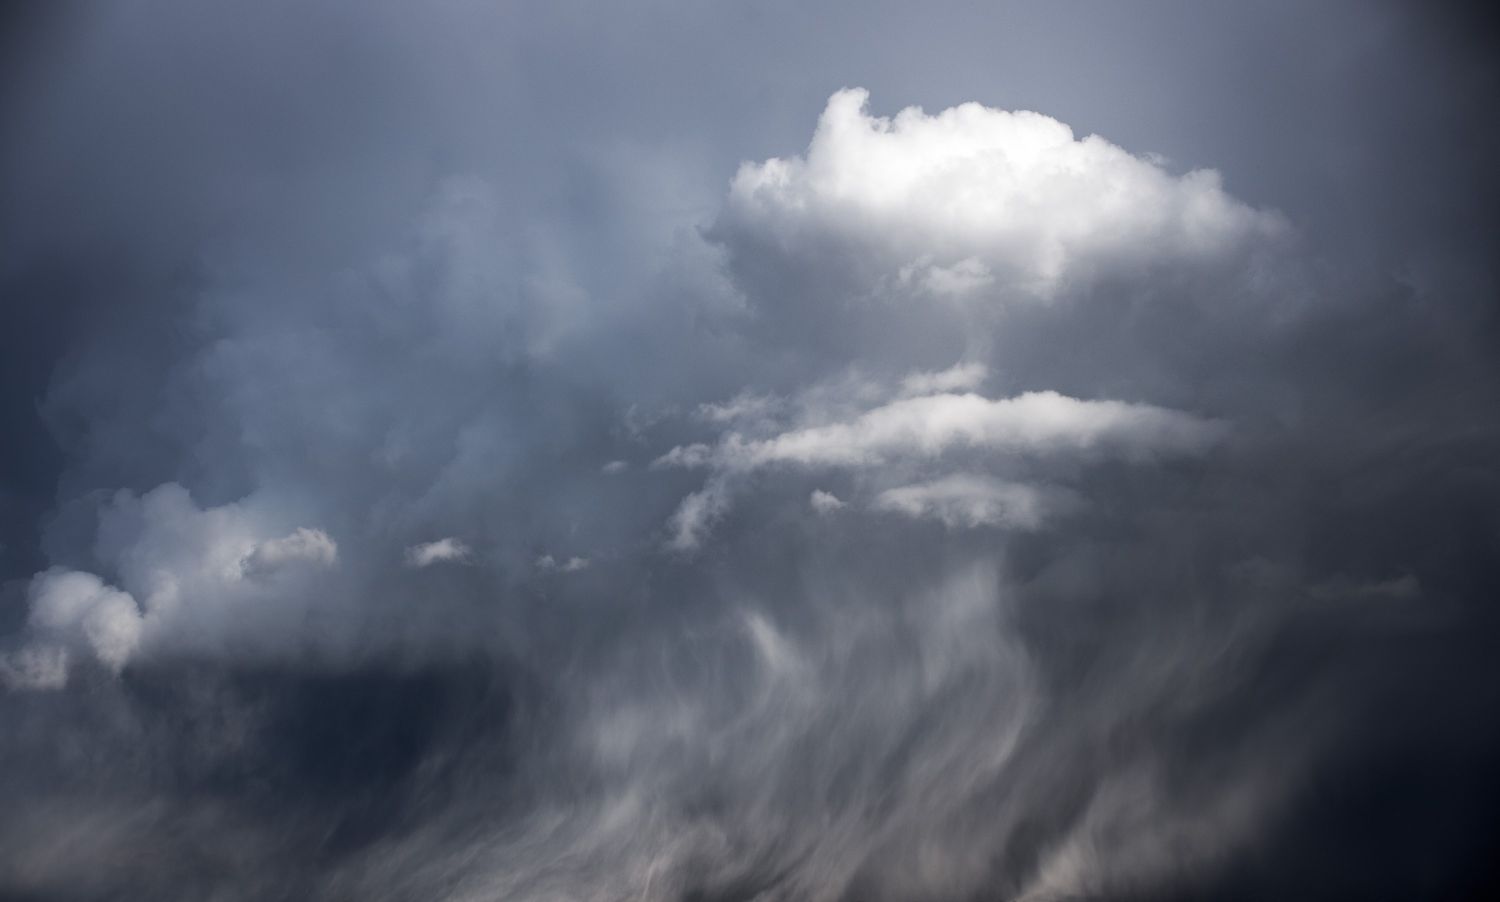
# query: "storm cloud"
{"type": "Point", "coordinates": [747, 452]}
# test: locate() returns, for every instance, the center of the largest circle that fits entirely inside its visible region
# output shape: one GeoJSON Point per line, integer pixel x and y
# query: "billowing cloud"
{"type": "Point", "coordinates": [72, 613]}
{"type": "Point", "coordinates": [191, 581]}
{"type": "Point", "coordinates": [942, 504]}
{"type": "Point", "coordinates": [972, 198]}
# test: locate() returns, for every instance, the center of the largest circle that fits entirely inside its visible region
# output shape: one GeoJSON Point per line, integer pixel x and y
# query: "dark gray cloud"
{"type": "Point", "coordinates": [599, 452]}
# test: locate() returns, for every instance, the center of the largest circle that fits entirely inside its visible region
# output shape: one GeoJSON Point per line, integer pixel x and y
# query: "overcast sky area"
{"type": "Point", "coordinates": [749, 451]}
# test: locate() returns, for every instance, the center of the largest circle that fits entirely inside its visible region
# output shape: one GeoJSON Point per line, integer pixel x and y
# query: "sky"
{"type": "Point", "coordinates": [749, 451]}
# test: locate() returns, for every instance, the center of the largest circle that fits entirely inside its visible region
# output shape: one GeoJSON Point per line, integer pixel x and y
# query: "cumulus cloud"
{"type": "Point", "coordinates": [973, 196]}
{"type": "Point", "coordinates": [825, 502]}
{"type": "Point", "coordinates": [73, 612]}
{"type": "Point", "coordinates": [303, 546]}
{"type": "Point", "coordinates": [968, 500]}
{"type": "Point", "coordinates": [220, 580]}
{"type": "Point", "coordinates": [65, 603]}
{"type": "Point", "coordinates": [1018, 654]}
{"type": "Point", "coordinates": [440, 551]}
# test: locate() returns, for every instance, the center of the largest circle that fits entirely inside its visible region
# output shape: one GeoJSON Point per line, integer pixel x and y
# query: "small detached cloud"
{"type": "Point", "coordinates": [614, 468]}
{"type": "Point", "coordinates": [961, 377]}
{"type": "Point", "coordinates": [303, 546]}
{"type": "Point", "coordinates": [442, 551]}
{"type": "Point", "coordinates": [967, 500]}
{"type": "Point", "coordinates": [696, 515]}
{"type": "Point", "coordinates": [825, 502]}
{"type": "Point", "coordinates": [740, 408]}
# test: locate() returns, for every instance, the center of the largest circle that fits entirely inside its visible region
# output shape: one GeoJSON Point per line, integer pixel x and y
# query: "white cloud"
{"type": "Point", "coordinates": [741, 407]}
{"type": "Point", "coordinates": [443, 550]}
{"type": "Point", "coordinates": [696, 515]}
{"type": "Point", "coordinates": [690, 456]}
{"type": "Point", "coordinates": [189, 579]}
{"type": "Point", "coordinates": [72, 611]}
{"type": "Point", "coordinates": [969, 500]}
{"type": "Point", "coordinates": [972, 196]}
{"type": "Point", "coordinates": [303, 546]}
{"type": "Point", "coordinates": [71, 605]}
{"type": "Point", "coordinates": [614, 467]}
{"type": "Point", "coordinates": [825, 502]}
{"type": "Point", "coordinates": [960, 377]}
{"type": "Point", "coordinates": [928, 426]}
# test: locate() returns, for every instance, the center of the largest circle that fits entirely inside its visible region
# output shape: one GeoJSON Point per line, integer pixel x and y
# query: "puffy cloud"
{"type": "Point", "coordinates": [974, 197]}
{"type": "Point", "coordinates": [350, 333]}
{"type": "Point", "coordinates": [73, 611]}
{"type": "Point", "coordinates": [193, 580]}
{"type": "Point", "coordinates": [825, 502]}
{"type": "Point", "coordinates": [303, 546]}
{"type": "Point", "coordinates": [220, 581]}
{"type": "Point", "coordinates": [440, 551]}
{"type": "Point", "coordinates": [969, 500]}
{"type": "Point", "coordinates": [66, 602]}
